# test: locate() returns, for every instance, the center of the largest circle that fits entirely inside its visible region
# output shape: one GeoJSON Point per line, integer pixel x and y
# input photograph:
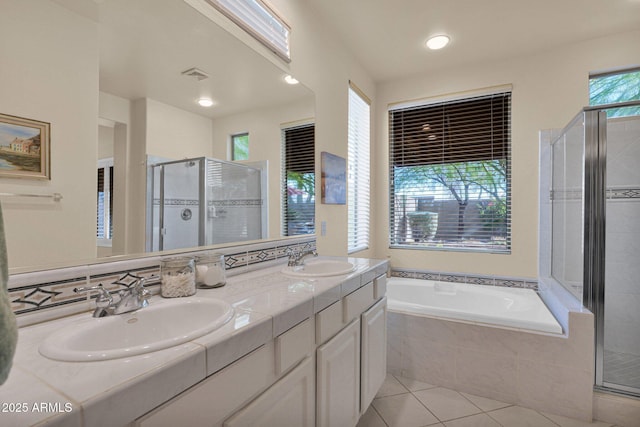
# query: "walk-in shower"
{"type": "Point", "coordinates": [595, 233]}
{"type": "Point", "coordinates": [204, 201]}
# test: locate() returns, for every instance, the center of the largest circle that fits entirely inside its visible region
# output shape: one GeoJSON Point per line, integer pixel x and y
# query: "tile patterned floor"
{"type": "Point", "coordinates": [621, 368]}
{"type": "Point", "coordinates": [402, 402]}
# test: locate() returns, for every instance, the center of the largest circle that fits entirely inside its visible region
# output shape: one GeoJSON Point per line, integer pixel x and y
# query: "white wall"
{"type": "Point", "coordinates": [548, 90]}
{"type": "Point", "coordinates": [49, 72]}
{"type": "Point", "coordinates": [176, 134]}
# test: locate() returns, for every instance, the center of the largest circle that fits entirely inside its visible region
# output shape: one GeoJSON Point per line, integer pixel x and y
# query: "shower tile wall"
{"type": "Point", "coordinates": [622, 269]}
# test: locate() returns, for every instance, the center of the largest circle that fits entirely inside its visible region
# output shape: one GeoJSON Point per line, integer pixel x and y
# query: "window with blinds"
{"type": "Point", "coordinates": [358, 171]}
{"type": "Point", "coordinates": [298, 180]}
{"type": "Point", "coordinates": [450, 174]}
{"type": "Point", "coordinates": [104, 227]}
{"type": "Point", "coordinates": [257, 18]}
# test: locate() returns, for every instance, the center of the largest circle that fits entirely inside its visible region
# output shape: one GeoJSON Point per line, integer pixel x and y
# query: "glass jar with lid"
{"type": "Point", "coordinates": [210, 270]}
{"type": "Point", "coordinates": [177, 277]}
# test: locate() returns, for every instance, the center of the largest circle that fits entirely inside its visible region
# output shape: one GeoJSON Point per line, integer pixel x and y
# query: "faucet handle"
{"type": "Point", "coordinates": [293, 256]}
{"type": "Point", "coordinates": [138, 287]}
{"type": "Point", "coordinates": [104, 298]}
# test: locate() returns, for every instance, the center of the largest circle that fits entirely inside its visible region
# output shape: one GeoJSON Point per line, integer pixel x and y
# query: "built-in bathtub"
{"type": "Point", "coordinates": [499, 352]}
{"type": "Point", "coordinates": [499, 306]}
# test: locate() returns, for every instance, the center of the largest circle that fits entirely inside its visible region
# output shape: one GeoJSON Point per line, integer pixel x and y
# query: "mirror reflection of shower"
{"type": "Point", "coordinates": [204, 201]}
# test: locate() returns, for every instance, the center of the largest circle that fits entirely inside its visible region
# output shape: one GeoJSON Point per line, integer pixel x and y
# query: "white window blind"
{"type": "Point", "coordinates": [104, 227]}
{"type": "Point", "coordinates": [298, 180]}
{"type": "Point", "coordinates": [259, 20]}
{"type": "Point", "coordinates": [450, 174]}
{"type": "Point", "coordinates": [359, 171]}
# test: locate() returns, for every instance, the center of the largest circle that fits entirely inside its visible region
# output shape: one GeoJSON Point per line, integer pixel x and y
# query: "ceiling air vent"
{"type": "Point", "coordinates": [195, 73]}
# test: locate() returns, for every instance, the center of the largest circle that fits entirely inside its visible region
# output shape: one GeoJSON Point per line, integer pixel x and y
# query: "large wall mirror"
{"type": "Point", "coordinates": [119, 81]}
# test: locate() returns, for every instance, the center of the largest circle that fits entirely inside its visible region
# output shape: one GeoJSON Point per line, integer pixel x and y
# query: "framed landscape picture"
{"type": "Point", "coordinates": [24, 148]}
{"type": "Point", "coordinates": [334, 179]}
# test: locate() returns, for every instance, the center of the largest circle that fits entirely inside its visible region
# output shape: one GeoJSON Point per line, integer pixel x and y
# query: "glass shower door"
{"type": "Point", "coordinates": [620, 366]}
{"type": "Point", "coordinates": [179, 205]}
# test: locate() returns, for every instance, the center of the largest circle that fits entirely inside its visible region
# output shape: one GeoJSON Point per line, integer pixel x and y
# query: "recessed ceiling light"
{"type": "Point", "coordinates": [205, 102]}
{"type": "Point", "coordinates": [290, 79]}
{"type": "Point", "coordinates": [438, 42]}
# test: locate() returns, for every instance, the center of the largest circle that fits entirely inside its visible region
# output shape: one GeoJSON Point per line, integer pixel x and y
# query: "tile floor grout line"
{"type": "Point", "coordinates": [488, 413]}
{"type": "Point", "coordinates": [462, 395]}
{"type": "Point", "coordinates": [559, 425]}
{"type": "Point", "coordinates": [379, 414]}
{"type": "Point", "coordinates": [427, 408]}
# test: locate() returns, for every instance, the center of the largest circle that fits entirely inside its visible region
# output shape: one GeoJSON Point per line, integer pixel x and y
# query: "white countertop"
{"type": "Point", "coordinates": [114, 392]}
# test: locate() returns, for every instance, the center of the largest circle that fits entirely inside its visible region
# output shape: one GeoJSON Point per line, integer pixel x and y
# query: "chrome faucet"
{"type": "Point", "coordinates": [296, 259]}
{"type": "Point", "coordinates": [131, 299]}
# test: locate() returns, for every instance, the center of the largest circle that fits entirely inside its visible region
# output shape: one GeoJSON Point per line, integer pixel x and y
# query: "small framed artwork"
{"type": "Point", "coordinates": [24, 148]}
{"type": "Point", "coordinates": [334, 179]}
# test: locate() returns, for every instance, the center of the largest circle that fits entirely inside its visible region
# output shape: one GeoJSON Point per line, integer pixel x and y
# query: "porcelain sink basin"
{"type": "Point", "coordinates": [320, 268]}
{"type": "Point", "coordinates": [163, 324]}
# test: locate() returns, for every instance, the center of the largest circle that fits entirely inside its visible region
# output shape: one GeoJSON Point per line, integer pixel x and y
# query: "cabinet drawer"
{"type": "Point", "coordinates": [357, 302]}
{"type": "Point", "coordinates": [329, 322]}
{"type": "Point", "coordinates": [289, 402]}
{"type": "Point", "coordinates": [294, 345]}
{"type": "Point", "coordinates": [379, 287]}
{"type": "Point", "coordinates": [215, 398]}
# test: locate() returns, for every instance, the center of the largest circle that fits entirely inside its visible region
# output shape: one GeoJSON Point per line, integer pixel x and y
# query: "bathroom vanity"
{"type": "Point", "coordinates": [300, 351]}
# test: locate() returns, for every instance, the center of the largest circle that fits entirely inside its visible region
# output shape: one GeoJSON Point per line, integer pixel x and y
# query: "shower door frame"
{"type": "Point", "coordinates": [595, 157]}
{"type": "Point", "coordinates": [594, 238]}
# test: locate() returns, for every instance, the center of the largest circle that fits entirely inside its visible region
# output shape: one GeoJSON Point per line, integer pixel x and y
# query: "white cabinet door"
{"type": "Point", "coordinates": [338, 379]}
{"type": "Point", "coordinates": [374, 351]}
{"type": "Point", "coordinates": [289, 402]}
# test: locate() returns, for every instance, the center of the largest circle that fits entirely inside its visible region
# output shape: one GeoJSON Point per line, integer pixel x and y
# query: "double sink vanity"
{"type": "Point", "coordinates": [303, 346]}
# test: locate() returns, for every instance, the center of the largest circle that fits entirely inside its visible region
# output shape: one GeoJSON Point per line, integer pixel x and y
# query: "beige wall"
{"type": "Point", "coordinates": [176, 134]}
{"type": "Point", "coordinates": [548, 90]}
{"type": "Point", "coordinates": [50, 73]}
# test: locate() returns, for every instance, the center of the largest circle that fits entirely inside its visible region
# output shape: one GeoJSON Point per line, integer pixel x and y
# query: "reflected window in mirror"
{"type": "Point", "coordinates": [240, 146]}
{"type": "Point", "coordinates": [298, 180]}
{"type": "Point", "coordinates": [260, 20]}
{"type": "Point", "coordinates": [105, 202]}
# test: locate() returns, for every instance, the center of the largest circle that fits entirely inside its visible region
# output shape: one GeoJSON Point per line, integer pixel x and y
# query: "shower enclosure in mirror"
{"type": "Point", "coordinates": [204, 201]}
{"type": "Point", "coordinates": [595, 233]}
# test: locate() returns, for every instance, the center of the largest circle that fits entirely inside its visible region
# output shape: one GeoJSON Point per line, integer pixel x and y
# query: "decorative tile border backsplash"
{"type": "Point", "coordinates": [216, 203]}
{"type": "Point", "coordinates": [46, 290]}
{"type": "Point", "coordinates": [623, 193]}
{"type": "Point", "coordinates": [615, 193]}
{"type": "Point", "coordinates": [465, 278]}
